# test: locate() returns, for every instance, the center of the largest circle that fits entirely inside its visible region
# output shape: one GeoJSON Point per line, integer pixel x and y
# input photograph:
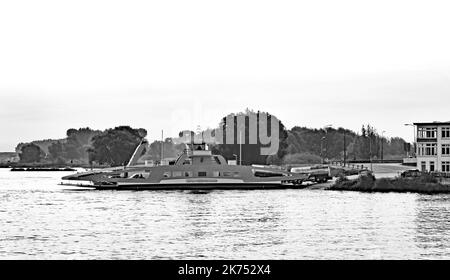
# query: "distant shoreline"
{"type": "Point", "coordinates": [66, 169]}
{"type": "Point", "coordinates": [49, 165]}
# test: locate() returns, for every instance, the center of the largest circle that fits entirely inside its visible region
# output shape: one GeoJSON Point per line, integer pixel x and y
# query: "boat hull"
{"type": "Point", "coordinates": [190, 177]}
{"type": "Point", "coordinates": [218, 186]}
{"type": "Point", "coordinates": [191, 186]}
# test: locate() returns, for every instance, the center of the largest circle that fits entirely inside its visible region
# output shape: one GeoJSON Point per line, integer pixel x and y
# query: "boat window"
{"type": "Point", "coordinates": [177, 174]}
{"type": "Point", "coordinates": [188, 174]}
{"type": "Point", "coordinates": [216, 174]}
{"type": "Point", "coordinates": [138, 176]}
{"type": "Point", "coordinates": [231, 174]}
{"type": "Point", "coordinates": [227, 174]}
{"type": "Point", "coordinates": [166, 175]}
{"type": "Point", "coordinates": [202, 174]}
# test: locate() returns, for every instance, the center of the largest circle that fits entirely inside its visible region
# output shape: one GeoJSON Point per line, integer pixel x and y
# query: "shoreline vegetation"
{"type": "Point", "coordinates": [425, 184]}
{"type": "Point", "coordinates": [299, 145]}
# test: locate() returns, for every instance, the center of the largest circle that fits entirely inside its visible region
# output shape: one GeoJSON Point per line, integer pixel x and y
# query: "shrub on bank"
{"type": "Point", "coordinates": [383, 184]}
{"type": "Point", "coordinates": [368, 183]}
{"type": "Point", "coordinates": [363, 183]}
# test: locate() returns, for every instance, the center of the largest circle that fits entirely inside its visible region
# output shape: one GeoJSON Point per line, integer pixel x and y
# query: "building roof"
{"type": "Point", "coordinates": [433, 123]}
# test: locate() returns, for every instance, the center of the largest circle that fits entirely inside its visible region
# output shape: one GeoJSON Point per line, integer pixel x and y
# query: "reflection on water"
{"type": "Point", "coordinates": [43, 220]}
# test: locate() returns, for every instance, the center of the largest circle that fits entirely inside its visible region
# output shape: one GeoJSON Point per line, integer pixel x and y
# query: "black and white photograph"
{"type": "Point", "coordinates": [224, 131]}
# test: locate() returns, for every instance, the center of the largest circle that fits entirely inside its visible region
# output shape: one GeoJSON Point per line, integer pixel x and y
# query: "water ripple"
{"type": "Point", "coordinates": [41, 220]}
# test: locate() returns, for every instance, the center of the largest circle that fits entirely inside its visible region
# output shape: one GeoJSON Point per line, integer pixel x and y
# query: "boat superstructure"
{"type": "Point", "coordinates": [195, 168]}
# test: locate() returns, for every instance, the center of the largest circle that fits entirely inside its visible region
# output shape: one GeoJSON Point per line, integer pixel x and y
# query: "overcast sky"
{"type": "Point", "coordinates": [175, 65]}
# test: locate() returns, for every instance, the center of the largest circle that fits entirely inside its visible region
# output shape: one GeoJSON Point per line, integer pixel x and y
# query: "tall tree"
{"type": "Point", "coordinates": [74, 147]}
{"type": "Point", "coordinates": [251, 153]}
{"type": "Point", "coordinates": [115, 146]}
{"type": "Point", "coordinates": [31, 153]}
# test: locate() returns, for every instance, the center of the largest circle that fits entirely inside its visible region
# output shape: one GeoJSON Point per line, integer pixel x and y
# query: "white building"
{"type": "Point", "coordinates": [433, 146]}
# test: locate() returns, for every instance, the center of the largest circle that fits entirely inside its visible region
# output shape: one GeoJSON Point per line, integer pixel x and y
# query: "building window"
{"type": "Point", "coordinates": [423, 166]}
{"type": "Point", "coordinates": [427, 149]}
{"type": "Point", "coordinates": [431, 166]}
{"type": "Point", "coordinates": [421, 149]}
{"type": "Point", "coordinates": [427, 132]}
{"type": "Point", "coordinates": [446, 132]}
{"type": "Point", "coordinates": [446, 149]}
{"type": "Point", "coordinates": [446, 166]}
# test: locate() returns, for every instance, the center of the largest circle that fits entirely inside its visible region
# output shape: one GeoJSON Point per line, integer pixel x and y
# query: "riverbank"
{"type": "Point", "coordinates": [368, 183]}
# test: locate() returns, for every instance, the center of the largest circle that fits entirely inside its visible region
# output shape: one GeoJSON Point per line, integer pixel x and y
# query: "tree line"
{"type": "Point", "coordinates": [306, 145]}
{"type": "Point", "coordinates": [115, 146]}
{"type": "Point", "coordinates": [83, 146]}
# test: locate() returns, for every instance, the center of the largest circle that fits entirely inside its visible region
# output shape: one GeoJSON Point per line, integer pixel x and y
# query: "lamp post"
{"type": "Point", "coordinates": [240, 147]}
{"type": "Point", "coordinates": [321, 148]}
{"type": "Point", "coordinates": [382, 145]}
{"type": "Point", "coordinates": [325, 138]}
{"type": "Point", "coordinates": [162, 147]}
{"type": "Point", "coordinates": [414, 137]}
{"type": "Point", "coordinates": [370, 153]}
{"type": "Point", "coordinates": [345, 150]}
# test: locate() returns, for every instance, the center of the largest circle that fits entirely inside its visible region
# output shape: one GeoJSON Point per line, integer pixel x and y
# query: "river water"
{"type": "Point", "coordinates": [41, 220]}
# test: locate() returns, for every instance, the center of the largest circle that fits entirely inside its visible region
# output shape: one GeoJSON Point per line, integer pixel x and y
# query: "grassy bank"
{"type": "Point", "coordinates": [367, 183]}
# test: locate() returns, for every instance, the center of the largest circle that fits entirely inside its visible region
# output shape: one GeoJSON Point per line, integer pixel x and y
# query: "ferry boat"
{"type": "Point", "coordinates": [196, 168]}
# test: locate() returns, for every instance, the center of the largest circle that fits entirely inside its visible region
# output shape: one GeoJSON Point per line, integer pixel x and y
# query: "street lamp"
{"type": "Point", "coordinates": [345, 150]}
{"type": "Point", "coordinates": [324, 138]}
{"type": "Point", "coordinates": [414, 137]}
{"type": "Point", "coordinates": [382, 145]}
{"type": "Point", "coordinates": [240, 147]}
{"type": "Point", "coordinates": [321, 148]}
{"type": "Point", "coordinates": [370, 153]}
